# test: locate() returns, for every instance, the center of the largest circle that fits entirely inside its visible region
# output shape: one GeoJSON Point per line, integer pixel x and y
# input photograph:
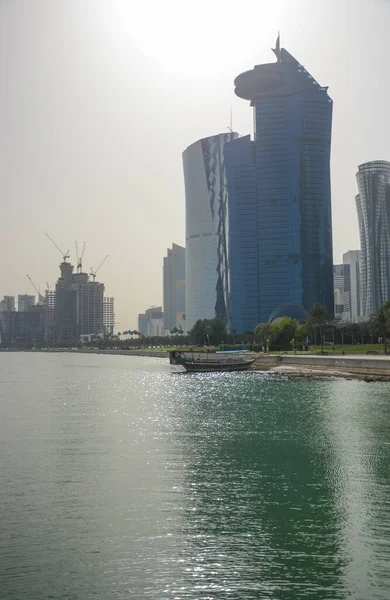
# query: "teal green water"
{"type": "Point", "coordinates": [121, 479]}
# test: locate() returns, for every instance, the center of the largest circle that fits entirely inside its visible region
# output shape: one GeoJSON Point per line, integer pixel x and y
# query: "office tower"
{"type": "Point", "coordinates": [280, 227]}
{"type": "Point", "coordinates": [143, 324]}
{"type": "Point", "coordinates": [174, 288]}
{"type": "Point", "coordinates": [151, 322]}
{"type": "Point", "coordinates": [351, 264]}
{"type": "Point", "coordinates": [206, 262]}
{"type": "Point", "coordinates": [373, 209]}
{"type": "Point", "coordinates": [338, 282]}
{"type": "Point", "coordinates": [25, 301]}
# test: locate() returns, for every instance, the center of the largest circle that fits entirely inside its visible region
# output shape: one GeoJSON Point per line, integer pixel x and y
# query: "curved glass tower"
{"type": "Point", "coordinates": [206, 267]}
{"type": "Point", "coordinates": [373, 209]}
{"type": "Point", "coordinates": [280, 244]}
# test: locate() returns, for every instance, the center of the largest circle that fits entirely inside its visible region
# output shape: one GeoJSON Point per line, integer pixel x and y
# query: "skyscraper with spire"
{"type": "Point", "coordinates": [280, 227]}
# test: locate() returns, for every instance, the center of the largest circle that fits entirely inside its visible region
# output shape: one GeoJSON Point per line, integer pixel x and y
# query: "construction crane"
{"type": "Point", "coordinates": [40, 297]}
{"type": "Point", "coordinates": [94, 273]}
{"type": "Point", "coordinates": [79, 259]}
{"type": "Point", "coordinates": [64, 256]}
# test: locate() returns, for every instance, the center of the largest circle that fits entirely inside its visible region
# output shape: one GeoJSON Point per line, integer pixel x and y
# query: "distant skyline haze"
{"type": "Point", "coordinates": [99, 99]}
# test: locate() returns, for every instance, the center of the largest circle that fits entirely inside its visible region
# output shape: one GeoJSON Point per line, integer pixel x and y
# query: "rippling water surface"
{"type": "Point", "coordinates": [121, 479]}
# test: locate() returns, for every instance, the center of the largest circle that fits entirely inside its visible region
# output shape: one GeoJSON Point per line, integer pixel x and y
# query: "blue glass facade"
{"type": "Point", "coordinates": [280, 230]}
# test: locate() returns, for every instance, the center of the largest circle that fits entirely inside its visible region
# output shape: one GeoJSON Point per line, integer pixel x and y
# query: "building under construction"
{"type": "Point", "coordinates": [75, 310]}
{"type": "Point", "coordinates": [78, 305]}
{"type": "Point", "coordinates": [108, 315]}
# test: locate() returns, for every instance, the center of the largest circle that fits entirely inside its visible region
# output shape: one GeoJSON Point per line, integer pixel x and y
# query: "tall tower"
{"type": "Point", "coordinates": [373, 209]}
{"type": "Point", "coordinates": [207, 269]}
{"type": "Point", "coordinates": [280, 223]}
{"type": "Point", "coordinates": [174, 287]}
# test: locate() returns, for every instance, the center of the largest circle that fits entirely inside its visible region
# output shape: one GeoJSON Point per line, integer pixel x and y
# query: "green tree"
{"type": "Point", "coordinates": [208, 331]}
{"type": "Point", "coordinates": [380, 323]}
{"type": "Point", "coordinates": [284, 333]}
{"type": "Point", "coordinates": [263, 332]}
{"type": "Point", "coordinates": [318, 318]}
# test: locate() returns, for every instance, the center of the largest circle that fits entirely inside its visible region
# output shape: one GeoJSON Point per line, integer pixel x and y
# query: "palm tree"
{"type": "Point", "coordinates": [319, 317]}
{"type": "Point", "coordinates": [381, 323]}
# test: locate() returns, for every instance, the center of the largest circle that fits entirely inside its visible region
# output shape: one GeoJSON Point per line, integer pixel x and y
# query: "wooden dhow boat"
{"type": "Point", "coordinates": [212, 361]}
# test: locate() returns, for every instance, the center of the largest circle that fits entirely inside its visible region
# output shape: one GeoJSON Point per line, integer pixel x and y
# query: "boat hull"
{"type": "Point", "coordinates": [215, 367]}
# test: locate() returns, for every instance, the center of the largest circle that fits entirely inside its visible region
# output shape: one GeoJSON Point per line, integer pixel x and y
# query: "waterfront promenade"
{"type": "Point", "coordinates": [309, 364]}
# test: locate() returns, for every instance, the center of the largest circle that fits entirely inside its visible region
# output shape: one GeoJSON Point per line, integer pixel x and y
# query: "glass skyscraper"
{"type": "Point", "coordinates": [206, 262]}
{"type": "Point", "coordinates": [280, 228]}
{"type": "Point", "coordinates": [373, 209]}
{"type": "Point", "coordinates": [174, 288]}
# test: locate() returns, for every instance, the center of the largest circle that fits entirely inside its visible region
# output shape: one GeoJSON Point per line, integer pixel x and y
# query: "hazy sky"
{"type": "Point", "coordinates": [99, 99]}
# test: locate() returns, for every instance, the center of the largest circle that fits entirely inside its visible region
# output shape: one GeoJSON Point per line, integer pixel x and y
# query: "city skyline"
{"type": "Point", "coordinates": [76, 153]}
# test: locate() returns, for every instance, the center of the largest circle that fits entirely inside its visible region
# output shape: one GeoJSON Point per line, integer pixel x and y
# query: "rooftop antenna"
{"type": "Point", "coordinates": [276, 50]}
{"type": "Point", "coordinates": [231, 120]}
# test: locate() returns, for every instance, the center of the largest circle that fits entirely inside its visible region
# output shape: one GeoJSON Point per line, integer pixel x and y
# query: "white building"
{"type": "Point", "coordinates": [108, 315]}
{"type": "Point", "coordinates": [373, 210]}
{"type": "Point", "coordinates": [151, 322]}
{"type": "Point", "coordinates": [207, 272]}
{"type": "Point", "coordinates": [338, 284]}
{"type": "Point", "coordinates": [351, 263]}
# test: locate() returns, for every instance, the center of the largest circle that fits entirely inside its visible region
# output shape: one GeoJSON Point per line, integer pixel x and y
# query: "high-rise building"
{"type": "Point", "coordinates": [280, 227]}
{"type": "Point", "coordinates": [206, 262]}
{"type": "Point", "coordinates": [338, 283]}
{"type": "Point", "coordinates": [174, 288]}
{"type": "Point", "coordinates": [78, 306]}
{"type": "Point", "coordinates": [108, 315]}
{"type": "Point", "coordinates": [352, 292]}
{"type": "Point", "coordinates": [373, 209]}
{"type": "Point", "coordinates": [143, 324]}
{"type": "Point", "coordinates": [7, 304]}
{"type": "Point", "coordinates": [151, 322]}
{"type": "Point", "coordinates": [25, 301]}
{"type": "Point", "coordinates": [49, 305]}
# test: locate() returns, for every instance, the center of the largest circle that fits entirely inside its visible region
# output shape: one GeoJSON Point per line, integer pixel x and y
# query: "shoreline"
{"type": "Point", "coordinates": [361, 367]}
